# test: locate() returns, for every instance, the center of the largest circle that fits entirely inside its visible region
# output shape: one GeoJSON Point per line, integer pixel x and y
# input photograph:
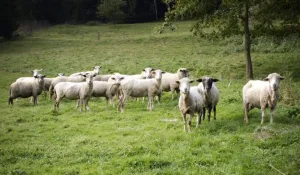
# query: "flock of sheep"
{"type": "Point", "coordinates": [81, 86]}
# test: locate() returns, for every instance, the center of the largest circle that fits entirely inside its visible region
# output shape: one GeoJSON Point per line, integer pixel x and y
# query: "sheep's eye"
{"type": "Point", "coordinates": [113, 78]}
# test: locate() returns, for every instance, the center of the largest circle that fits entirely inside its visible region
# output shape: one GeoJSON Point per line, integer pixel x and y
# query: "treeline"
{"type": "Point", "coordinates": [13, 12]}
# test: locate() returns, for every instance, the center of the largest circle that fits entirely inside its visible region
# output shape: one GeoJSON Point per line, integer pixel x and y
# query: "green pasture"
{"type": "Point", "coordinates": [37, 140]}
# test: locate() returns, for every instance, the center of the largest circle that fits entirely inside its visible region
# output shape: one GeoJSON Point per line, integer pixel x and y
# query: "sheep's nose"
{"type": "Point", "coordinates": [274, 86]}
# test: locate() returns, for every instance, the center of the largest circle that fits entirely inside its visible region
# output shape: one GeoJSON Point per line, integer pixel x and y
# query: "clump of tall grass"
{"type": "Point", "coordinates": [289, 90]}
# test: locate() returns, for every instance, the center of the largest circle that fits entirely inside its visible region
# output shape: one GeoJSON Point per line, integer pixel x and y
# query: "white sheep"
{"type": "Point", "coordinates": [190, 101]}
{"type": "Point", "coordinates": [95, 71]}
{"type": "Point", "coordinates": [25, 89]}
{"type": "Point", "coordinates": [47, 81]}
{"type": "Point", "coordinates": [141, 88]}
{"type": "Point", "coordinates": [262, 94]}
{"type": "Point", "coordinates": [74, 91]}
{"type": "Point", "coordinates": [105, 89]}
{"type": "Point", "coordinates": [210, 94]}
{"type": "Point", "coordinates": [102, 77]}
{"type": "Point", "coordinates": [169, 80]}
{"type": "Point", "coordinates": [35, 73]}
{"type": "Point", "coordinates": [59, 79]}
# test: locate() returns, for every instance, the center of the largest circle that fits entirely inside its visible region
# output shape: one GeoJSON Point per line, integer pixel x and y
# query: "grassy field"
{"type": "Point", "coordinates": [37, 140]}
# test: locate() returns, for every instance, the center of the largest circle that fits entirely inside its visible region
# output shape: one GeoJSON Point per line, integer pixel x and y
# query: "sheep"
{"type": "Point", "coordinates": [74, 91]}
{"type": "Point", "coordinates": [102, 77]}
{"type": "Point", "coordinates": [262, 94]}
{"type": "Point", "coordinates": [47, 81]}
{"type": "Point", "coordinates": [190, 101]}
{"type": "Point", "coordinates": [59, 79]}
{"type": "Point", "coordinates": [25, 89]}
{"type": "Point", "coordinates": [105, 89]}
{"type": "Point", "coordinates": [210, 94]}
{"type": "Point", "coordinates": [35, 73]}
{"type": "Point", "coordinates": [141, 88]}
{"type": "Point", "coordinates": [95, 71]}
{"type": "Point", "coordinates": [169, 79]}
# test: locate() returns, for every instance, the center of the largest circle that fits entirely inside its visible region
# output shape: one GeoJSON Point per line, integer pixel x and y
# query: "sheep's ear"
{"type": "Point", "coordinates": [215, 80]}
{"type": "Point", "coordinates": [199, 80]}
{"type": "Point", "coordinates": [44, 76]}
{"type": "Point", "coordinates": [281, 78]}
{"type": "Point", "coordinates": [163, 72]}
{"type": "Point", "coordinates": [178, 82]}
{"type": "Point", "coordinates": [113, 78]}
{"type": "Point", "coordinates": [35, 76]}
{"type": "Point", "coordinates": [94, 75]}
{"type": "Point", "coordinates": [143, 70]}
{"type": "Point", "coordinates": [266, 79]}
{"type": "Point", "coordinates": [191, 81]}
{"type": "Point", "coordinates": [153, 73]}
{"type": "Point", "coordinates": [40, 69]}
{"type": "Point", "coordinates": [152, 69]}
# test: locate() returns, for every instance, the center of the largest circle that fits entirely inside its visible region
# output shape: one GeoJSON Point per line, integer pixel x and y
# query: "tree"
{"type": "Point", "coordinates": [111, 9]}
{"type": "Point", "coordinates": [231, 17]}
{"type": "Point", "coordinates": [8, 18]}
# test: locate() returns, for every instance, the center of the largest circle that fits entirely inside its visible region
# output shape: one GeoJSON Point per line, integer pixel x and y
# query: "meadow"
{"type": "Point", "coordinates": [37, 140]}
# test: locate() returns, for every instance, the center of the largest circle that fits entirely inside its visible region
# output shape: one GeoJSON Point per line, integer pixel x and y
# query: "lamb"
{"type": "Point", "coordinates": [141, 88]}
{"type": "Point", "coordinates": [190, 101]}
{"type": "Point", "coordinates": [169, 79]}
{"type": "Point", "coordinates": [35, 73]}
{"type": "Point", "coordinates": [105, 89]}
{"type": "Point", "coordinates": [210, 94]}
{"type": "Point", "coordinates": [95, 71]}
{"type": "Point", "coordinates": [59, 79]}
{"type": "Point", "coordinates": [262, 94]}
{"type": "Point", "coordinates": [25, 89]}
{"type": "Point", "coordinates": [74, 91]}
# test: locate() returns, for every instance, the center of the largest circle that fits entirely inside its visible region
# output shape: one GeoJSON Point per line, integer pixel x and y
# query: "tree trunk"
{"type": "Point", "coordinates": [247, 42]}
{"type": "Point", "coordinates": [155, 9]}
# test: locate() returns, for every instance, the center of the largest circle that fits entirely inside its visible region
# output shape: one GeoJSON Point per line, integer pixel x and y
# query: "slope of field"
{"type": "Point", "coordinates": [37, 140]}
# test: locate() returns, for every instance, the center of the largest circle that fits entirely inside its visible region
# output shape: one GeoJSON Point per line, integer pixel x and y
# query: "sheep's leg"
{"type": "Point", "coordinates": [246, 113]}
{"type": "Point", "coordinates": [203, 114]}
{"type": "Point", "coordinates": [199, 118]}
{"type": "Point", "coordinates": [77, 104]}
{"type": "Point", "coordinates": [272, 112]}
{"type": "Point", "coordinates": [184, 121]}
{"type": "Point", "coordinates": [81, 104]}
{"type": "Point", "coordinates": [150, 102]}
{"type": "Point", "coordinates": [87, 105]}
{"type": "Point", "coordinates": [263, 114]}
{"type": "Point", "coordinates": [209, 112]}
{"type": "Point", "coordinates": [215, 112]}
{"type": "Point", "coordinates": [10, 101]}
{"type": "Point", "coordinates": [190, 121]}
{"type": "Point", "coordinates": [34, 100]}
{"type": "Point", "coordinates": [172, 93]}
{"type": "Point", "coordinates": [106, 102]}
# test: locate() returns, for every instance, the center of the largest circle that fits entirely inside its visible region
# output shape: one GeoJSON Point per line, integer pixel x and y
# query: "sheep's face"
{"type": "Point", "coordinates": [184, 85]}
{"type": "Point", "coordinates": [117, 78]}
{"type": "Point", "coordinates": [147, 73]}
{"type": "Point", "coordinates": [89, 78]}
{"type": "Point", "coordinates": [40, 78]}
{"type": "Point", "coordinates": [274, 80]}
{"type": "Point", "coordinates": [207, 82]}
{"type": "Point", "coordinates": [97, 69]}
{"type": "Point", "coordinates": [157, 74]}
{"type": "Point", "coordinates": [183, 72]}
{"type": "Point", "coordinates": [36, 72]}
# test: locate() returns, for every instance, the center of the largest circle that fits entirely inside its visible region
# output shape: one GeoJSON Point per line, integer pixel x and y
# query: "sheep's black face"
{"type": "Point", "coordinates": [207, 82]}
{"type": "Point", "coordinates": [185, 72]}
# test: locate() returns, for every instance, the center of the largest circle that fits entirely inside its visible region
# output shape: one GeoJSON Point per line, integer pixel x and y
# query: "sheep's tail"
{"type": "Point", "coordinates": [54, 95]}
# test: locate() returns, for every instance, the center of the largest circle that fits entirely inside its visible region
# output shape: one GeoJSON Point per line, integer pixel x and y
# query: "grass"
{"type": "Point", "coordinates": [37, 140]}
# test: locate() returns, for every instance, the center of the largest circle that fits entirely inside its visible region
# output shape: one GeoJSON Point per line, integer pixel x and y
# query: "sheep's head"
{"type": "Point", "coordinates": [40, 78]}
{"type": "Point", "coordinates": [147, 72]}
{"type": "Point", "coordinates": [36, 72]}
{"type": "Point", "coordinates": [207, 82]}
{"type": "Point", "coordinates": [117, 77]}
{"type": "Point", "coordinates": [274, 79]}
{"type": "Point", "coordinates": [97, 69]}
{"type": "Point", "coordinates": [184, 85]}
{"type": "Point", "coordinates": [182, 72]}
{"type": "Point", "coordinates": [89, 78]}
{"type": "Point", "coordinates": [157, 74]}
{"type": "Point", "coordinates": [61, 74]}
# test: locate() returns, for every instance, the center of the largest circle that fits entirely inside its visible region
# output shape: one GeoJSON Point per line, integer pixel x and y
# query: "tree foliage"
{"type": "Point", "coordinates": [111, 9]}
{"type": "Point", "coordinates": [230, 17]}
{"type": "Point", "coordinates": [8, 18]}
